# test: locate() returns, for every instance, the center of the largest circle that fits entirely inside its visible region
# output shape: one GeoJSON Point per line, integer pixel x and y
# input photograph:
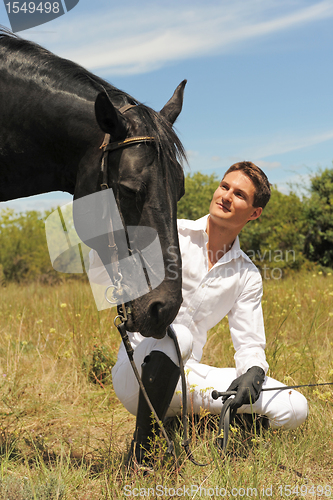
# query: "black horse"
{"type": "Point", "coordinates": [54, 115]}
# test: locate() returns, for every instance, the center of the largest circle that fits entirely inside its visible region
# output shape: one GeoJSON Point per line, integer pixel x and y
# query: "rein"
{"type": "Point", "coordinates": [124, 310]}
{"type": "Point", "coordinates": [227, 416]}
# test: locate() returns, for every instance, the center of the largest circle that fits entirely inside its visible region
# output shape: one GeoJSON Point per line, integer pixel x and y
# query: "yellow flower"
{"type": "Point", "coordinates": [63, 305]}
{"type": "Point", "coordinates": [52, 330]}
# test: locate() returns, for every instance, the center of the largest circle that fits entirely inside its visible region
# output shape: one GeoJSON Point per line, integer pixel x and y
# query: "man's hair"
{"type": "Point", "coordinates": [262, 192]}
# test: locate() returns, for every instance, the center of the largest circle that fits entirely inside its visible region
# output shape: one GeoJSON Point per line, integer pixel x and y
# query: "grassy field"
{"type": "Point", "coordinates": [64, 434]}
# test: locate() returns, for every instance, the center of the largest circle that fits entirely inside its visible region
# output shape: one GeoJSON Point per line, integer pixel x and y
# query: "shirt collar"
{"type": "Point", "coordinates": [194, 225]}
{"type": "Point", "coordinates": [201, 225]}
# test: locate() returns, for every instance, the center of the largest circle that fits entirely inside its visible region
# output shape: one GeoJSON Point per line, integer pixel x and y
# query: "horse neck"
{"type": "Point", "coordinates": [45, 143]}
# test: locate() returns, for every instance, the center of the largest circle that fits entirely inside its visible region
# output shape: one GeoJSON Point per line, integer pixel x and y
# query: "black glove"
{"type": "Point", "coordinates": [248, 387]}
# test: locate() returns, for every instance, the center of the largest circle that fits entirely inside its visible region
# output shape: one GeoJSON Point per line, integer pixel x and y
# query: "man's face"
{"type": "Point", "coordinates": [232, 203]}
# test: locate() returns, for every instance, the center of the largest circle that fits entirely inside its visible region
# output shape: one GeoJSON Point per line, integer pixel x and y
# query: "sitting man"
{"type": "Point", "coordinates": [218, 280]}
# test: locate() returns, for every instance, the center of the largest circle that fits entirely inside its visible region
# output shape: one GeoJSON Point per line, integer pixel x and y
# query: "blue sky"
{"type": "Point", "coordinates": [259, 76]}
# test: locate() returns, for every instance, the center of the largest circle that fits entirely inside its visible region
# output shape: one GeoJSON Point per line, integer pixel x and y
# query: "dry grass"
{"type": "Point", "coordinates": [64, 436]}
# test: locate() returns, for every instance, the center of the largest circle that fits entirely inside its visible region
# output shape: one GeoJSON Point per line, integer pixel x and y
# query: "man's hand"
{"type": "Point", "coordinates": [248, 387]}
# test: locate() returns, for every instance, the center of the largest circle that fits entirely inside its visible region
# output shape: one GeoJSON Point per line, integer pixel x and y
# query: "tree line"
{"type": "Point", "coordinates": [292, 233]}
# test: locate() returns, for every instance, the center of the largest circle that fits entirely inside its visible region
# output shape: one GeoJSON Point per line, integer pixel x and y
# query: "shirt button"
{"type": "Point", "coordinates": [203, 285]}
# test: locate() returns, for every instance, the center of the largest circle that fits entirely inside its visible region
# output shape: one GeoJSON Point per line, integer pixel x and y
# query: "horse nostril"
{"type": "Point", "coordinates": [155, 311]}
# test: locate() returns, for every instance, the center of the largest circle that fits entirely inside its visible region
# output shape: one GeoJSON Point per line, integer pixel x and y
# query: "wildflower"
{"type": "Point", "coordinates": [63, 305]}
{"type": "Point", "coordinates": [52, 330]}
{"type": "Point", "coordinates": [39, 322]}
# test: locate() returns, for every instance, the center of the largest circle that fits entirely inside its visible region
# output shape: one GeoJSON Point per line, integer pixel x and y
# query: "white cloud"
{"type": "Point", "coordinates": [268, 165]}
{"type": "Point", "coordinates": [40, 203]}
{"type": "Point", "coordinates": [286, 144]}
{"type": "Point", "coordinates": [296, 183]}
{"type": "Point", "coordinates": [149, 36]}
{"type": "Point", "coordinates": [192, 154]}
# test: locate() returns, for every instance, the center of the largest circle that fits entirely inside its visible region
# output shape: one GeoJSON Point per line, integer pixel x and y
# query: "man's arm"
{"type": "Point", "coordinates": [248, 336]}
{"type": "Point", "coordinates": [247, 326]}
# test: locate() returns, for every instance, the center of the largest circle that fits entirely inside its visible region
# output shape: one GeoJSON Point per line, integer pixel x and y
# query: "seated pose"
{"type": "Point", "coordinates": [218, 279]}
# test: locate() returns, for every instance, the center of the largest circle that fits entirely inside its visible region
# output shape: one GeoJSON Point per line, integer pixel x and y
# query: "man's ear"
{"type": "Point", "coordinates": [256, 214]}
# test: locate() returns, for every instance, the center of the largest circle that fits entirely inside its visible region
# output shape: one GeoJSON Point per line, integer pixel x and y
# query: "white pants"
{"type": "Point", "coordinates": [287, 408]}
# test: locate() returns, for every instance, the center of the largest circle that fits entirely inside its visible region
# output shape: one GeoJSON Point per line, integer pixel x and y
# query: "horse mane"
{"type": "Point", "coordinates": [62, 74]}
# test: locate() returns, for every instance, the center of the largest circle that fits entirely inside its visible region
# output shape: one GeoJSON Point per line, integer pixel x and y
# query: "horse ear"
{"type": "Point", "coordinates": [174, 106]}
{"type": "Point", "coordinates": [108, 117]}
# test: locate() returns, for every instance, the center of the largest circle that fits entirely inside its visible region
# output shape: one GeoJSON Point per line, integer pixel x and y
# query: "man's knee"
{"type": "Point", "coordinates": [292, 412]}
{"type": "Point", "coordinates": [300, 410]}
{"type": "Point", "coordinates": [185, 341]}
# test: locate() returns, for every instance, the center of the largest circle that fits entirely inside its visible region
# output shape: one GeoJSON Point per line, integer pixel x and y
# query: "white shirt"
{"type": "Point", "coordinates": [232, 287]}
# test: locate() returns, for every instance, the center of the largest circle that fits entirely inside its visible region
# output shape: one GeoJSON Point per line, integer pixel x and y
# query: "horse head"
{"type": "Point", "coordinates": [147, 180]}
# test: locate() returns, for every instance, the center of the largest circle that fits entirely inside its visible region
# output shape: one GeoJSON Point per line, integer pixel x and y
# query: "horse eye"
{"type": "Point", "coordinates": [126, 190]}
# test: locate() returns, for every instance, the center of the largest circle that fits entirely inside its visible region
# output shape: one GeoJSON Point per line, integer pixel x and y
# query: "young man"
{"type": "Point", "coordinates": [218, 280]}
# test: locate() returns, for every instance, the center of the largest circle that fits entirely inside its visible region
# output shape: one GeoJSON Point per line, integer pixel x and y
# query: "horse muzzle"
{"type": "Point", "coordinates": [152, 318]}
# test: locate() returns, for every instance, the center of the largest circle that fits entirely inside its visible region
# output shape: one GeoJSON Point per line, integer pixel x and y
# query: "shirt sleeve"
{"type": "Point", "coordinates": [247, 327]}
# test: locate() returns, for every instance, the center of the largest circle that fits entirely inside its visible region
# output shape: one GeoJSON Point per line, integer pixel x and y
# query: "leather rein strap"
{"type": "Point", "coordinates": [125, 309]}
{"type": "Point", "coordinates": [227, 416]}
